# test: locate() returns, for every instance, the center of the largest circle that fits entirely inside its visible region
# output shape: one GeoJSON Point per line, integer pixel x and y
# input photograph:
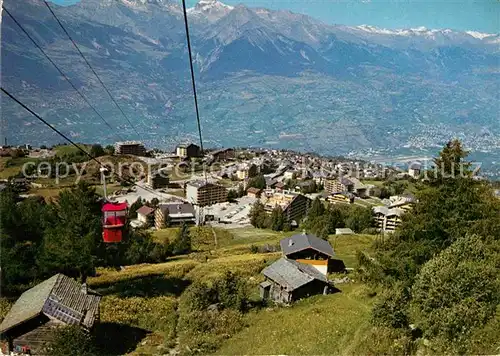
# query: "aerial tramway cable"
{"type": "Point", "coordinates": [92, 69]}
{"type": "Point", "coordinates": [24, 106]}
{"type": "Point", "coordinates": [188, 39]}
{"type": "Point", "coordinates": [61, 72]}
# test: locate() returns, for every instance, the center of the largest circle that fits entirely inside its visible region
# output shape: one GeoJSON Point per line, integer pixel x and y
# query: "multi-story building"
{"type": "Point", "coordinates": [242, 173]}
{"type": "Point", "coordinates": [339, 185]}
{"type": "Point", "coordinates": [294, 205]}
{"type": "Point", "coordinates": [414, 169]}
{"type": "Point", "coordinates": [158, 179]}
{"type": "Point", "coordinates": [190, 150]}
{"type": "Point", "coordinates": [204, 193]}
{"type": "Point", "coordinates": [135, 148]}
{"type": "Point", "coordinates": [387, 220]}
{"type": "Point", "coordinates": [178, 213]}
{"type": "Point", "coordinates": [404, 202]}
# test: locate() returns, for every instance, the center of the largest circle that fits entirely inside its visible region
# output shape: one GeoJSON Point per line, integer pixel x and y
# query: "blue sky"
{"type": "Point", "coordinates": [477, 15]}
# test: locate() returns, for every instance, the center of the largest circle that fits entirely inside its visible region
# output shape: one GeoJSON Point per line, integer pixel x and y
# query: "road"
{"type": "Point", "coordinates": [145, 194]}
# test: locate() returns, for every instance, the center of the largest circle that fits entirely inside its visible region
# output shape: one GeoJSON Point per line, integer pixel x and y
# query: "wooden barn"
{"type": "Point", "coordinates": [309, 249]}
{"type": "Point", "coordinates": [55, 302]}
{"type": "Point", "coordinates": [288, 280]}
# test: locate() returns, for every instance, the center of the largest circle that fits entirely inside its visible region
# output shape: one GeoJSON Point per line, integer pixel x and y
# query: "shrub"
{"type": "Point", "coordinates": [458, 291]}
{"type": "Point", "coordinates": [386, 341]}
{"type": "Point", "coordinates": [5, 306]}
{"type": "Point", "coordinates": [203, 331]}
{"type": "Point", "coordinates": [152, 314]}
{"type": "Point", "coordinates": [71, 340]}
{"type": "Point", "coordinates": [198, 296]}
{"type": "Point", "coordinates": [391, 310]}
{"type": "Point", "coordinates": [227, 291]}
{"type": "Point", "coordinates": [232, 292]}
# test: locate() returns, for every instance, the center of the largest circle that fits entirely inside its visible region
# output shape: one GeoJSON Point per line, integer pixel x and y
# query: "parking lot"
{"type": "Point", "coordinates": [231, 213]}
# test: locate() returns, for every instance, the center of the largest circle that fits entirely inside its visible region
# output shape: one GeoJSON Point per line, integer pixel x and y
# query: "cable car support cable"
{"type": "Point", "coordinates": [61, 72]}
{"type": "Point", "coordinates": [73, 143]}
{"type": "Point", "coordinates": [92, 69]}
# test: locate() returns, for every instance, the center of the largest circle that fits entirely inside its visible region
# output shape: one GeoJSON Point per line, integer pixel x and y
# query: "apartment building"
{"type": "Point", "coordinates": [203, 193]}
{"type": "Point", "coordinates": [386, 219]}
{"type": "Point", "coordinates": [135, 148]}
{"type": "Point", "coordinates": [178, 213]}
{"type": "Point", "coordinates": [294, 205]}
{"type": "Point", "coordinates": [339, 185]}
{"type": "Point", "coordinates": [402, 202]}
{"type": "Point", "coordinates": [157, 179]}
{"type": "Point", "coordinates": [415, 169]}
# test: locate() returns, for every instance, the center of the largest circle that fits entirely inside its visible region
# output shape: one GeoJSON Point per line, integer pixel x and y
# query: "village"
{"type": "Point", "coordinates": [176, 192]}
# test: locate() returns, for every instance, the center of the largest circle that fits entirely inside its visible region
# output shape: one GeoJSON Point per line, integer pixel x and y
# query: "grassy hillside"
{"type": "Point", "coordinates": [141, 301]}
{"type": "Point", "coordinates": [329, 324]}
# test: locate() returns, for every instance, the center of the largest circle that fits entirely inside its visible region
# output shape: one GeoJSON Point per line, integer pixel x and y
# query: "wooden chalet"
{"type": "Point", "coordinates": [57, 301]}
{"type": "Point", "coordinates": [309, 249]}
{"type": "Point", "coordinates": [288, 280]}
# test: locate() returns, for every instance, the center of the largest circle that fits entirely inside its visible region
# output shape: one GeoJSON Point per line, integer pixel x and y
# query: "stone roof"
{"type": "Point", "coordinates": [59, 290]}
{"type": "Point", "coordinates": [304, 241]}
{"type": "Point", "coordinates": [291, 274]}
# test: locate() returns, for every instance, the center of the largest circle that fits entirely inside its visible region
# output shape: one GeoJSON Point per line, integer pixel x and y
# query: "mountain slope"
{"type": "Point", "coordinates": [267, 77]}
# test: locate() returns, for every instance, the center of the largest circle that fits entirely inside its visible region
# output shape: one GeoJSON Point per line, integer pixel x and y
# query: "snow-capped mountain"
{"type": "Point", "coordinates": [423, 37]}
{"type": "Point", "coordinates": [209, 10]}
{"type": "Point", "coordinates": [273, 70]}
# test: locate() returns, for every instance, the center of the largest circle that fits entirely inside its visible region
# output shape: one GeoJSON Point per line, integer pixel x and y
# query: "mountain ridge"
{"type": "Point", "coordinates": [268, 72]}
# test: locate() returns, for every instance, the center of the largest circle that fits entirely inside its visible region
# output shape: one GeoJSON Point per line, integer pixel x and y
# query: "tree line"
{"type": "Point", "coordinates": [322, 218]}
{"type": "Point", "coordinates": [438, 274]}
{"type": "Point", "coordinates": [40, 239]}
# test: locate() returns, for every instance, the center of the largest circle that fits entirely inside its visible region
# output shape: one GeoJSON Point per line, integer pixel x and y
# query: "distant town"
{"type": "Point", "coordinates": [221, 186]}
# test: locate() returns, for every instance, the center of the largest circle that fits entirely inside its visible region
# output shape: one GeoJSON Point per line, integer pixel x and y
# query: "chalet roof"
{"type": "Point", "coordinates": [254, 190]}
{"type": "Point", "coordinates": [291, 274]}
{"type": "Point", "coordinates": [145, 210]}
{"type": "Point", "coordinates": [62, 290]}
{"type": "Point", "coordinates": [358, 185]}
{"type": "Point", "coordinates": [304, 241]}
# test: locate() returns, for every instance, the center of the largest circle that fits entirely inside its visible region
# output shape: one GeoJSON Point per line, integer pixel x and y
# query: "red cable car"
{"type": "Point", "coordinates": [114, 219]}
